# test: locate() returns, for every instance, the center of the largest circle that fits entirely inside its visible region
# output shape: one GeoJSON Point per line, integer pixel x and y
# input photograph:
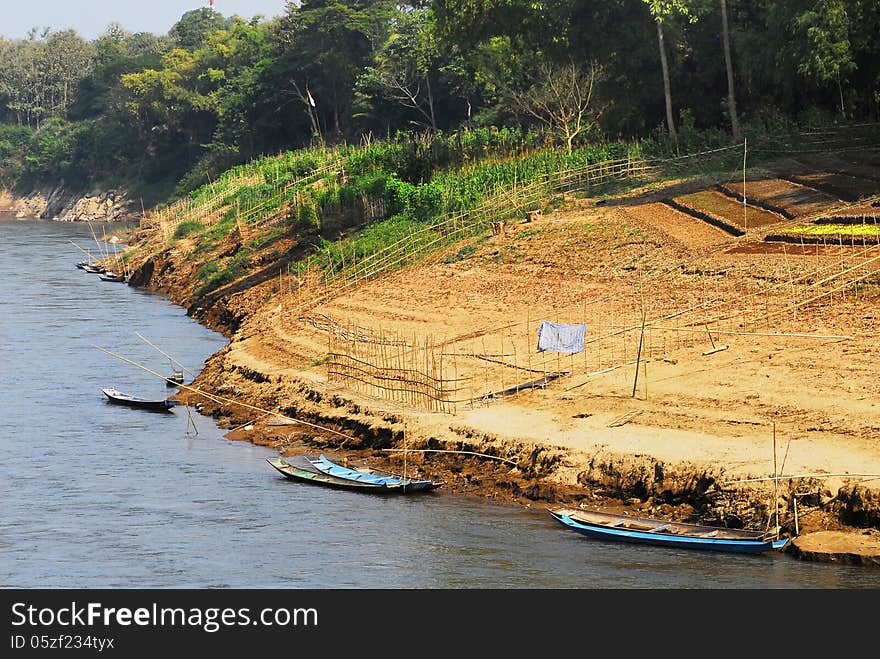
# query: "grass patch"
{"type": "Point", "coordinates": [528, 233]}
{"type": "Point", "coordinates": [465, 252]}
{"type": "Point", "coordinates": [208, 270]}
{"type": "Point", "coordinates": [188, 228]}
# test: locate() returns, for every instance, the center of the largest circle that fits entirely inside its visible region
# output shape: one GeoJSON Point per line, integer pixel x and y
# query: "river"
{"type": "Point", "coordinates": [94, 495]}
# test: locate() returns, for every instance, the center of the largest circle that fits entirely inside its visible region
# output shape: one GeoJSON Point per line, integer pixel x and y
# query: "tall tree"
{"type": "Point", "coordinates": [661, 11]}
{"type": "Point", "coordinates": [194, 27]}
{"type": "Point", "coordinates": [325, 45]}
{"type": "Point", "coordinates": [827, 55]}
{"type": "Point", "coordinates": [728, 65]}
{"type": "Point", "coordinates": [404, 66]}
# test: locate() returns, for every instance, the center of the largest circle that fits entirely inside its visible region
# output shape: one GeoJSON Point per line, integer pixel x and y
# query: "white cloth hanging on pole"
{"type": "Point", "coordinates": [561, 338]}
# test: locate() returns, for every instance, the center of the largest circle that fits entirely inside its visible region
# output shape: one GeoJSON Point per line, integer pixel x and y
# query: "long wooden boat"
{"type": "Point", "coordinates": [117, 397]}
{"type": "Point", "coordinates": [111, 276]}
{"type": "Point", "coordinates": [94, 269]}
{"type": "Point", "coordinates": [298, 473]}
{"type": "Point", "coordinates": [387, 479]}
{"type": "Point", "coordinates": [623, 528]}
{"type": "Point", "coordinates": [174, 379]}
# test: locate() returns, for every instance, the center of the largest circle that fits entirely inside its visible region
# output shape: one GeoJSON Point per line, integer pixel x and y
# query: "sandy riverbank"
{"type": "Point", "coordinates": [702, 414]}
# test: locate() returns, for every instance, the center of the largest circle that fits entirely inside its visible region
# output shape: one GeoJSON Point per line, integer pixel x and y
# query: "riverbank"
{"type": "Point", "coordinates": [674, 441]}
{"type": "Point", "coordinates": [56, 202]}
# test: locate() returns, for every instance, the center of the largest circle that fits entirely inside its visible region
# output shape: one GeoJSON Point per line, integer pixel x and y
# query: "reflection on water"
{"type": "Point", "coordinates": [96, 495]}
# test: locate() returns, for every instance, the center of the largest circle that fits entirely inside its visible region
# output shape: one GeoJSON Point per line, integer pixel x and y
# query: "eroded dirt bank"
{"type": "Point", "coordinates": [702, 418]}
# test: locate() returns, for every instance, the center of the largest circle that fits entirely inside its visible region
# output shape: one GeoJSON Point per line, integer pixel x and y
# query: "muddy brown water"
{"type": "Point", "coordinates": [93, 495]}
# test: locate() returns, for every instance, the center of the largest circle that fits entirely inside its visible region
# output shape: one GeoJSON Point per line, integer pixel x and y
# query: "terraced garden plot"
{"type": "Point", "coordinates": [726, 210]}
{"type": "Point", "coordinates": [840, 164]}
{"type": "Point", "coordinates": [686, 229]}
{"type": "Point", "coordinates": [867, 157]}
{"type": "Point", "coordinates": [843, 185]}
{"type": "Point", "coordinates": [861, 214]}
{"type": "Point", "coordinates": [789, 199]}
{"type": "Point", "coordinates": [839, 234]}
{"type": "Point", "coordinates": [791, 247]}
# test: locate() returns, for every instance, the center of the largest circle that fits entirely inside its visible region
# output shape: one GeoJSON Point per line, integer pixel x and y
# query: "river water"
{"type": "Point", "coordinates": [94, 495]}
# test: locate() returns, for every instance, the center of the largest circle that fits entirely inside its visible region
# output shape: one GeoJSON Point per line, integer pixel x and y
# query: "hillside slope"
{"type": "Point", "coordinates": [740, 346]}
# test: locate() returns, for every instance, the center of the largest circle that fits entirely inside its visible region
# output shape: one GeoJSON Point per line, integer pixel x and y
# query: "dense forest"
{"type": "Point", "coordinates": [164, 114]}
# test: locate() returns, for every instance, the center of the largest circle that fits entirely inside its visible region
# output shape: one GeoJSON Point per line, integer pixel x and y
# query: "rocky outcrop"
{"type": "Point", "coordinates": [59, 203]}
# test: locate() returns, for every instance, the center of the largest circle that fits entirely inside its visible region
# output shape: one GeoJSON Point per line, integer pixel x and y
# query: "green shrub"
{"type": "Point", "coordinates": [187, 228]}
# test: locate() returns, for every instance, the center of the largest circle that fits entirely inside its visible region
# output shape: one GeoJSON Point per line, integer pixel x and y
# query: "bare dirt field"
{"type": "Point", "coordinates": [702, 351]}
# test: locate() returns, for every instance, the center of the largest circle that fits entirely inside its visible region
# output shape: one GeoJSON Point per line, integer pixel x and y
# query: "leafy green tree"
{"type": "Point", "coordinates": [826, 54]}
{"type": "Point", "coordinates": [406, 67]}
{"type": "Point", "coordinates": [196, 26]}
{"type": "Point", "coordinates": [66, 58]}
{"type": "Point", "coordinates": [325, 45]}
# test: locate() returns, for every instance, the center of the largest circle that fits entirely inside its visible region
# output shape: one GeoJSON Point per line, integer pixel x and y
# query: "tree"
{"type": "Point", "coordinates": [66, 59]}
{"type": "Point", "coordinates": [662, 10]}
{"type": "Point", "coordinates": [194, 27]}
{"type": "Point", "coordinates": [404, 66]}
{"type": "Point", "coordinates": [325, 45]}
{"type": "Point", "coordinates": [827, 54]}
{"type": "Point", "coordinates": [561, 98]}
{"type": "Point", "coordinates": [728, 65]}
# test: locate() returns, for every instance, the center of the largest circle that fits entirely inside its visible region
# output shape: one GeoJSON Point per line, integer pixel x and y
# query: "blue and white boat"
{"type": "Point", "coordinates": [624, 528]}
{"type": "Point", "coordinates": [386, 480]}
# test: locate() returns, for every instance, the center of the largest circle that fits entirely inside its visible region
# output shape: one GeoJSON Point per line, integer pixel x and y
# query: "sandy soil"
{"type": "Point", "coordinates": [811, 372]}
{"type": "Point", "coordinates": [738, 348]}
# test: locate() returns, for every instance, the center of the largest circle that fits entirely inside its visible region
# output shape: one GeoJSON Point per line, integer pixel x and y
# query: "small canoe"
{"type": "Point", "coordinates": [174, 379]}
{"type": "Point", "coordinates": [111, 276]}
{"type": "Point", "coordinates": [96, 269]}
{"type": "Point", "coordinates": [157, 405]}
{"type": "Point", "coordinates": [623, 528]}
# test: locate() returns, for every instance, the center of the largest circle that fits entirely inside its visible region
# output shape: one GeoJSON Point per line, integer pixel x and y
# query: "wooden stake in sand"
{"type": "Point", "coordinates": [745, 218]}
{"type": "Point", "coordinates": [639, 355]}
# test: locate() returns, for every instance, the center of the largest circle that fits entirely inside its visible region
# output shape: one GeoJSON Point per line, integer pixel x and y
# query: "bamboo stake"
{"type": "Point", "coordinates": [157, 349]}
{"type": "Point", "coordinates": [639, 355]}
{"type": "Point", "coordinates": [799, 477]}
{"type": "Point", "coordinates": [745, 219]}
{"type": "Point", "coordinates": [89, 254]}
{"type": "Point", "coordinates": [775, 482]}
{"type": "Point", "coordinates": [436, 450]}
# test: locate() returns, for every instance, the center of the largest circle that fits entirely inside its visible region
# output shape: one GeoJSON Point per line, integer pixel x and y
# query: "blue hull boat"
{"type": "Point", "coordinates": [385, 480]}
{"type": "Point", "coordinates": [295, 470]}
{"type": "Point", "coordinates": [641, 530]}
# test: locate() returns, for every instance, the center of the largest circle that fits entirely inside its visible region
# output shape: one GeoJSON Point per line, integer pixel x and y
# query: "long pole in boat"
{"type": "Point", "coordinates": [775, 482]}
{"type": "Point", "coordinates": [157, 349]}
{"type": "Point", "coordinates": [97, 242]}
{"type": "Point", "coordinates": [89, 254]}
{"type": "Point", "coordinates": [404, 454]}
